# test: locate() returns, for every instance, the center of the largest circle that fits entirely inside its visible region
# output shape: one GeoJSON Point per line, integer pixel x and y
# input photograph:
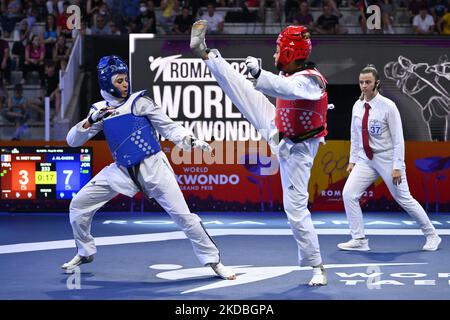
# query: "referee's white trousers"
{"type": "Point", "coordinates": [295, 170]}
{"type": "Point", "coordinates": [364, 173]}
{"type": "Point", "coordinates": [158, 179]}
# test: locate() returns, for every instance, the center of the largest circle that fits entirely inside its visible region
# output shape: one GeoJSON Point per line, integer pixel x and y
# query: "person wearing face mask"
{"type": "Point", "coordinates": [300, 90]}
{"type": "Point", "coordinates": [130, 122]}
{"type": "Point", "coordinates": [104, 12]}
{"type": "Point", "coordinates": [378, 149]}
{"type": "Point", "coordinates": [146, 21]}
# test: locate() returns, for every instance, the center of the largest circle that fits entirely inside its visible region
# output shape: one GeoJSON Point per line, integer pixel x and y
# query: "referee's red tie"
{"type": "Point", "coordinates": [365, 132]}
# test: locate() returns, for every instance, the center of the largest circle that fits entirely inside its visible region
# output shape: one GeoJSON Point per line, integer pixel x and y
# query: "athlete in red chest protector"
{"type": "Point", "coordinates": [294, 128]}
{"type": "Point", "coordinates": [299, 119]}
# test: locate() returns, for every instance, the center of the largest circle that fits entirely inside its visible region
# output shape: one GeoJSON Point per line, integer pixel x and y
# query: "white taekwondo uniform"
{"type": "Point", "coordinates": [296, 159]}
{"type": "Point", "coordinates": [156, 177]}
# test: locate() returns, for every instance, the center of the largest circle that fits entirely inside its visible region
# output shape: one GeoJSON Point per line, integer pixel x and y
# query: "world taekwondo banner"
{"type": "Point", "coordinates": [414, 73]}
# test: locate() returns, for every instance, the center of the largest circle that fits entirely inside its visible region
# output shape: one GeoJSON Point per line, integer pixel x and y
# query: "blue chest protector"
{"type": "Point", "coordinates": [131, 138]}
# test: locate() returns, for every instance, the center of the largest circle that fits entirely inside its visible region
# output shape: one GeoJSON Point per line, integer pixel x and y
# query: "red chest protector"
{"type": "Point", "coordinates": [298, 117]}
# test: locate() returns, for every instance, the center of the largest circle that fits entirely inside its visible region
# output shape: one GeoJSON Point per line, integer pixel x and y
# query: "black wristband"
{"type": "Point", "coordinates": [90, 120]}
{"type": "Point", "coordinates": [257, 74]}
{"type": "Point", "coordinates": [192, 141]}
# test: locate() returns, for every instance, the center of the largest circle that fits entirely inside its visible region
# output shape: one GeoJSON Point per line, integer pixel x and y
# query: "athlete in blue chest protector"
{"type": "Point", "coordinates": [130, 122]}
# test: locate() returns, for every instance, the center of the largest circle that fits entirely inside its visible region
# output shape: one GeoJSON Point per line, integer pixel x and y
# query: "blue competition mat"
{"type": "Point", "coordinates": [146, 256]}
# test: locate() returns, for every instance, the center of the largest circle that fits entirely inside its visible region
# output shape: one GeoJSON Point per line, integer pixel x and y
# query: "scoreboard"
{"type": "Point", "coordinates": [29, 173]}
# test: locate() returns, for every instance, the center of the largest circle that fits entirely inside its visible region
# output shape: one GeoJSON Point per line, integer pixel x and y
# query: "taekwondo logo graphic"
{"type": "Point", "coordinates": [428, 86]}
{"type": "Point", "coordinates": [249, 274]}
{"type": "Point", "coordinates": [161, 64]}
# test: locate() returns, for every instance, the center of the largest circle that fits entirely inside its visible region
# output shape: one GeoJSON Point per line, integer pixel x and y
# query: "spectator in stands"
{"type": "Point", "coordinates": [101, 28]}
{"type": "Point", "coordinates": [256, 4]}
{"type": "Point", "coordinates": [443, 24]}
{"type": "Point", "coordinates": [21, 39]}
{"type": "Point", "coordinates": [24, 33]}
{"type": "Point", "coordinates": [92, 8]}
{"type": "Point", "coordinates": [195, 5]}
{"type": "Point", "coordinates": [51, 90]}
{"type": "Point", "coordinates": [17, 112]}
{"type": "Point", "coordinates": [293, 11]}
{"type": "Point", "coordinates": [423, 23]}
{"type": "Point", "coordinates": [334, 8]}
{"type": "Point", "coordinates": [169, 9]}
{"type": "Point", "coordinates": [31, 18]}
{"type": "Point", "coordinates": [34, 57]}
{"type": "Point", "coordinates": [439, 8]}
{"type": "Point", "coordinates": [55, 7]}
{"type": "Point", "coordinates": [50, 36]}
{"type": "Point", "coordinates": [104, 12]}
{"type": "Point", "coordinates": [51, 85]}
{"type": "Point", "coordinates": [82, 5]}
{"type": "Point", "coordinates": [290, 5]}
{"type": "Point", "coordinates": [5, 65]}
{"type": "Point", "coordinates": [215, 20]}
{"type": "Point", "coordinates": [183, 22]}
{"type": "Point", "coordinates": [145, 22]}
{"type": "Point", "coordinates": [301, 16]}
{"type": "Point", "coordinates": [388, 8]}
{"type": "Point", "coordinates": [61, 21]}
{"type": "Point", "coordinates": [276, 7]}
{"type": "Point", "coordinates": [61, 53]}
{"type": "Point", "coordinates": [12, 16]}
{"type": "Point", "coordinates": [115, 31]}
{"type": "Point", "coordinates": [414, 8]}
{"type": "Point", "coordinates": [328, 23]}
{"type": "Point", "coordinates": [41, 9]}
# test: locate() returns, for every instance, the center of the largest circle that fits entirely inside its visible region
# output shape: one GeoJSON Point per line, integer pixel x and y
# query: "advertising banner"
{"type": "Point", "coordinates": [414, 73]}
{"type": "Point", "coordinates": [245, 177]}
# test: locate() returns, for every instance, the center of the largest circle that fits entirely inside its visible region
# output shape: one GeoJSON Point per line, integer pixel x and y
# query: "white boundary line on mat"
{"type": "Point", "coordinates": [177, 235]}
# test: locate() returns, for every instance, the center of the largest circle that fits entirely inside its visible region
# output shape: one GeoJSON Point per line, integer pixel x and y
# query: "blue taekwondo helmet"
{"type": "Point", "coordinates": [106, 68]}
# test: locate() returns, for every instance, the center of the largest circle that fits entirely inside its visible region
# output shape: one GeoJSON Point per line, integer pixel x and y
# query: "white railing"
{"type": "Point", "coordinates": [47, 119]}
{"type": "Point", "coordinates": [68, 77]}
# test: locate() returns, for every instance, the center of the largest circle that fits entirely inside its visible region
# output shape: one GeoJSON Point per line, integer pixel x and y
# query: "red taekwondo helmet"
{"type": "Point", "coordinates": [295, 44]}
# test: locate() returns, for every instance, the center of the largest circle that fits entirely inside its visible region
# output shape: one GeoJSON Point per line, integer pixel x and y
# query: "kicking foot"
{"type": "Point", "coordinates": [432, 243]}
{"type": "Point", "coordinates": [76, 261]}
{"type": "Point", "coordinates": [355, 245]}
{"type": "Point", "coordinates": [319, 277]}
{"type": "Point", "coordinates": [222, 271]}
{"type": "Point", "coordinates": [198, 43]}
